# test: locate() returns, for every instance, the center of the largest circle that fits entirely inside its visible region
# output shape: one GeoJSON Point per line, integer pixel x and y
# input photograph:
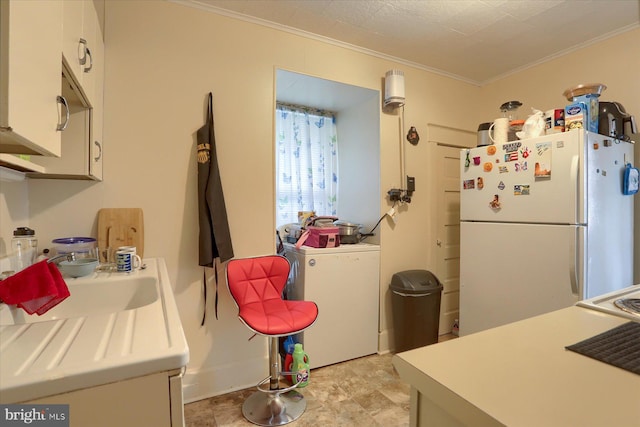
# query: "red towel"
{"type": "Point", "coordinates": [36, 289]}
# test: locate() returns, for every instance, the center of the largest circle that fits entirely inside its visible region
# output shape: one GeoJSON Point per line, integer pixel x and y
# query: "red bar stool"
{"type": "Point", "coordinates": [256, 285]}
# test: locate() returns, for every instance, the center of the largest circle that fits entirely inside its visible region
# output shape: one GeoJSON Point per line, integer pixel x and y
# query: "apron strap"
{"type": "Point", "coordinates": [215, 271]}
{"type": "Point", "coordinates": [210, 108]}
{"type": "Point", "coordinates": [204, 291]}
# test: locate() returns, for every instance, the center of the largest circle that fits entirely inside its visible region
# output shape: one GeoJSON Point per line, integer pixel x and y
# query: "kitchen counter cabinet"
{"type": "Point", "coordinates": [30, 46]}
{"type": "Point", "coordinates": [521, 374]}
{"type": "Point", "coordinates": [142, 401]}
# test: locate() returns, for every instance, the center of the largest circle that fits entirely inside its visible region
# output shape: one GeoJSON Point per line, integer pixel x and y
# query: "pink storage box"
{"type": "Point", "coordinates": [320, 237]}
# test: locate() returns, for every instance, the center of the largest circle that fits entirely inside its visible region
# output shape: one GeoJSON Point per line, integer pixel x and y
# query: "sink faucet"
{"type": "Point", "coordinates": [62, 257]}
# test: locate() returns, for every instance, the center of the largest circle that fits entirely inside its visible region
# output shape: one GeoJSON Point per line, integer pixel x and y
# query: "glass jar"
{"type": "Point", "coordinates": [24, 247]}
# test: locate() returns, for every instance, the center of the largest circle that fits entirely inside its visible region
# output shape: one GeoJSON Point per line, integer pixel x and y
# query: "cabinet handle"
{"type": "Point", "coordinates": [86, 70]}
{"type": "Point", "coordinates": [63, 126]}
{"type": "Point", "coordinates": [82, 47]}
{"type": "Point", "coordinates": [99, 152]}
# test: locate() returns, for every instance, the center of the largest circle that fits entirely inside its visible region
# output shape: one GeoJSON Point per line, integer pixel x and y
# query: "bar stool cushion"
{"type": "Point", "coordinates": [256, 285]}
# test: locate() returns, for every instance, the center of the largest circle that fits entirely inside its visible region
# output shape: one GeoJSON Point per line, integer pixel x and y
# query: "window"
{"type": "Point", "coordinates": [306, 162]}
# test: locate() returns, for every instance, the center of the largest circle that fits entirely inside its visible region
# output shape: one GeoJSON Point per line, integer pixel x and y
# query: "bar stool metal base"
{"type": "Point", "coordinates": [274, 409]}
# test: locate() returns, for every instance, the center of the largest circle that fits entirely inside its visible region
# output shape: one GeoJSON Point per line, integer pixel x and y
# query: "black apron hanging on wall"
{"type": "Point", "coordinates": [215, 238]}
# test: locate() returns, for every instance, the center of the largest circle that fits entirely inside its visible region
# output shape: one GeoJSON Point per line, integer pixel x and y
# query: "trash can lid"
{"type": "Point", "coordinates": [415, 282]}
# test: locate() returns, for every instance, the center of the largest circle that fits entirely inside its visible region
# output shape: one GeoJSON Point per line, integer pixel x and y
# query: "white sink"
{"type": "Point", "coordinates": [113, 327]}
{"type": "Point", "coordinates": [91, 297]}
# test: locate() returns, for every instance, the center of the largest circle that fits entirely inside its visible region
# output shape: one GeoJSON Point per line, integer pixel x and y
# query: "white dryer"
{"type": "Point", "coordinates": [345, 284]}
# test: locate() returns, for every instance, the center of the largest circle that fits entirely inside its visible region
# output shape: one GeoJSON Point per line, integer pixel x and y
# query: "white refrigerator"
{"type": "Point", "coordinates": [543, 224]}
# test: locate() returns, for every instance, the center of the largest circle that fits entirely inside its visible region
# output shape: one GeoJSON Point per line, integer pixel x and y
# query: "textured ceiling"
{"type": "Point", "coordinates": [474, 40]}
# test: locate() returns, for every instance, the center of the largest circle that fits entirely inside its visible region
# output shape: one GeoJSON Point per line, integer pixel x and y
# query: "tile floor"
{"type": "Point", "coordinates": [365, 391]}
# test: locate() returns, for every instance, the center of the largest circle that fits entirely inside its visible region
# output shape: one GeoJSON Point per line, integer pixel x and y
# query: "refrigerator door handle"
{"type": "Point", "coordinates": [573, 263]}
{"type": "Point", "coordinates": [572, 266]}
{"type": "Point", "coordinates": [575, 183]}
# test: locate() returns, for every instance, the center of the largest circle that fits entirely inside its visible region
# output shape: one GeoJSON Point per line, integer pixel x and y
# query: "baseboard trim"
{"type": "Point", "coordinates": [198, 384]}
{"type": "Point", "coordinates": [385, 341]}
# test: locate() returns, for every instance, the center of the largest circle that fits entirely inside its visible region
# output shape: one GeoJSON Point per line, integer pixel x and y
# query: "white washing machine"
{"type": "Point", "coordinates": [345, 284]}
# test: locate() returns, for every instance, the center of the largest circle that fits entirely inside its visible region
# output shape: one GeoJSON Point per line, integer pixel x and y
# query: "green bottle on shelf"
{"type": "Point", "coordinates": [300, 365]}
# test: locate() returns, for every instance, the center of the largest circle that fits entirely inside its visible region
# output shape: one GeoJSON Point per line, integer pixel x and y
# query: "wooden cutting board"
{"type": "Point", "coordinates": [121, 227]}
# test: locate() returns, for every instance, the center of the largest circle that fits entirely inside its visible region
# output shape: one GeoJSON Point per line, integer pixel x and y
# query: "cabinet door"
{"type": "Point", "coordinates": [82, 43]}
{"type": "Point", "coordinates": [72, 50]}
{"type": "Point", "coordinates": [74, 160]}
{"type": "Point", "coordinates": [97, 102]}
{"type": "Point", "coordinates": [141, 401]}
{"type": "Point", "coordinates": [91, 33]}
{"type": "Point", "coordinates": [31, 42]}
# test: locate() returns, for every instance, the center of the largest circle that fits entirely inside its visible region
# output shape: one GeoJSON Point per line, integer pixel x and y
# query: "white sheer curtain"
{"type": "Point", "coordinates": [306, 162]}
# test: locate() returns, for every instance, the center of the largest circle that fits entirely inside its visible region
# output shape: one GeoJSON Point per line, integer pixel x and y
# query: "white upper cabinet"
{"type": "Point", "coordinates": [82, 45]}
{"type": "Point", "coordinates": [76, 158]}
{"type": "Point", "coordinates": [96, 144]}
{"type": "Point", "coordinates": [30, 70]}
{"type": "Point", "coordinates": [51, 51]}
{"type": "Point", "coordinates": [73, 50]}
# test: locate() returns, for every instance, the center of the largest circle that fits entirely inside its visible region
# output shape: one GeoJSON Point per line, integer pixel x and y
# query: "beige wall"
{"type": "Point", "coordinates": [14, 212]}
{"type": "Point", "coordinates": [161, 61]}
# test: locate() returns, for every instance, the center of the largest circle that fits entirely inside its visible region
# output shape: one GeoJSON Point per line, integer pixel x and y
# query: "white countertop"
{"type": "Point", "coordinates": [521, 374]}
{"type": "Point", "coordinates": [56, 356]}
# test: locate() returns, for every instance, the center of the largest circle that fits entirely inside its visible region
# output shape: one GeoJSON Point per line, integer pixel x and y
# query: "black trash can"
{"type": "Point", "coordinates": [415, 305]}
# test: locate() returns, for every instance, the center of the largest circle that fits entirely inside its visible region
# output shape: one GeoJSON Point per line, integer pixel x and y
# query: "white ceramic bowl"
{"type": "Point", "coordinates": [79, 268]}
